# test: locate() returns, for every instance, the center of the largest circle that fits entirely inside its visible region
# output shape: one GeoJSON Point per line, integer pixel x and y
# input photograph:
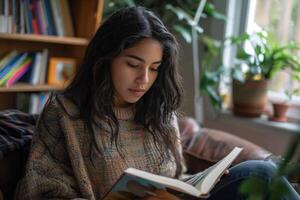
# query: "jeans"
{"type": "Point", "coordinates": [228, 186]}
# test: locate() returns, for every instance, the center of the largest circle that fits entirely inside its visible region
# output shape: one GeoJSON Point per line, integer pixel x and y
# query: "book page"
{"type": "Point", "coordinates": [168, 182]}
{"type": "Point", "coordinates": [211, 175]}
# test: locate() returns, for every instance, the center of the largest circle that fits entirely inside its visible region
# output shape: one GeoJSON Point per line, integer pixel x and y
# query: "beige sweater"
{"type": "Point", "coordinates": [60, 164]}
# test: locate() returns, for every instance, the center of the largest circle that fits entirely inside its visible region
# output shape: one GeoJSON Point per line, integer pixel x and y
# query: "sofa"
{"type": "Point", "coordinates": [201, 147]}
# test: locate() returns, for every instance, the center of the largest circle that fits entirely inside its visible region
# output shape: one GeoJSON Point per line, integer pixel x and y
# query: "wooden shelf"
{"type": "Point", "coordinates": [45, 39]}
{"type": "Point", "coordinates": [29, 88]}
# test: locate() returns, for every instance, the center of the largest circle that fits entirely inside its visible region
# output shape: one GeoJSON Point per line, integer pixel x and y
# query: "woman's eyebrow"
{"type": "Point", "coordinates": [141, 59]}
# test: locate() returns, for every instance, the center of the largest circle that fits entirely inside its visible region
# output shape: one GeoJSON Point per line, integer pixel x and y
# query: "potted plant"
{"type": "Point", "coordinates": [281, 106]}
{"type": "Point", "coordinates": [254, 67]}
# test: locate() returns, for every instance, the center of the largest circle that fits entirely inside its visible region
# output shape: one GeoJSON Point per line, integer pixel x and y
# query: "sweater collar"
{"type": "Point", "coordinates": [124, 113]}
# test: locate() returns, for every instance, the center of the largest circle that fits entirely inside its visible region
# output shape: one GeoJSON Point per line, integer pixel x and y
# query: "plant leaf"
{"type": "Point", "coordinates": [183, 32]}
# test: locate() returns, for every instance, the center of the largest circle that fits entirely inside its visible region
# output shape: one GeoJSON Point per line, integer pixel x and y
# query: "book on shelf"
{"type": "Point", "coordinates": [62, 17]}
{"type": "Point", "coordinates": [136, 184]}
{"type": "Point", "coordinates": [28, 67]}
{"type": "Point", "coordinates": [31, 103]}
{"type": "Point", "coordinates": [42, 17]}
{"type": "Point", "coordinates": [6, 58]}
{"type": "Point", "coordinates": [12, 70]}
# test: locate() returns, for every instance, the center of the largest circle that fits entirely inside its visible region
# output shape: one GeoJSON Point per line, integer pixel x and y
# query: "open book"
{"type": "Point", "coordinates": [138, 184]}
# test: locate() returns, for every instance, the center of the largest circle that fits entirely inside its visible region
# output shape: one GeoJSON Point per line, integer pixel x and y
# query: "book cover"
{"type": "Point", "coordinates": [138, 184]}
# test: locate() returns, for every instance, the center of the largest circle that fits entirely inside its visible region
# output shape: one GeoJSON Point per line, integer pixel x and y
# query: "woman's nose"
{"type": "Point", "coordinates": [143, 76]}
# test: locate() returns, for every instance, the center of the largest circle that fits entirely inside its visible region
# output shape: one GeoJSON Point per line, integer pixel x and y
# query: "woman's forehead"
{"type": "Point", "coordinates": [145, 50]}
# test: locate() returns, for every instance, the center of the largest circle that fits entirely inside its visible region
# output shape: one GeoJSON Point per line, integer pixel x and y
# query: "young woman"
{"type": "Point", "coordinates": [118, 112]}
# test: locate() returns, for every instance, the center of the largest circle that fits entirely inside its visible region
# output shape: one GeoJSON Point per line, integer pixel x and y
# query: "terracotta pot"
{"type": "Point", "coordinates": [279, 112]}
{"type": "Point", "coordinates": [249, 98]}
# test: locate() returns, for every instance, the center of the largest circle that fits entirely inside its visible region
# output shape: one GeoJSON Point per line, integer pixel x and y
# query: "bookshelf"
{"type": "Point", "coordinates": [74, 41]}
{"type": "Point", "coordinates": [86, 18]}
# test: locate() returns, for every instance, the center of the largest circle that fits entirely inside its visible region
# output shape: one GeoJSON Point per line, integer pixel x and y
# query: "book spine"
{"type": "Point", "coordinates": [28, 17]}
{"type": "Point", "coordinates": [34, 20]}
{"type": "Point", "coordinates": [36, 69]}
{"type": "Point", "coordinates": [55, 6]}
{"type": "Point", "coordinates": [43, 66]}
{"type": "Point", "coordinates": [5, 60]}
{"type": "Point", "coordinates": [1, 16]}
{"type": "Point", "coordinates": [18, 74]}
{"type": "Point", "coordinates": [66, 18]}
{"type": "Point", "coordinates": [49, 16]}
{"type": "Point", "coordinates": [41, 17]}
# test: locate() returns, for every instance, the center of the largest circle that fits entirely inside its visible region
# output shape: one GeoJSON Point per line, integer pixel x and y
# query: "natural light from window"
{"type": "Point", "coordinates": [281, 18]}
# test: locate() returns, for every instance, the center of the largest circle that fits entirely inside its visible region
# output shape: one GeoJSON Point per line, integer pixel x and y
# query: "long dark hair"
{"type": "Point", "coordinates": [92, 88]}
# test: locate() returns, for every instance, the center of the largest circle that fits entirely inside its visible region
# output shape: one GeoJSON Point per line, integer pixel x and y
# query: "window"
{"type": "Point", "coordinates": [281, 17]}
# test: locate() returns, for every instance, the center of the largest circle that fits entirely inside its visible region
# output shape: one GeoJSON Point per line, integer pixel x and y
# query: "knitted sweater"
{"type": "Point", "coordinates": [62, 164]}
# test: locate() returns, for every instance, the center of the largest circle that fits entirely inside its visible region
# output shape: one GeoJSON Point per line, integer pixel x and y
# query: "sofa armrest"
{"type": "Point", "coordinates": [213, 145]}
{"type": "Point", "coordinates": [204, 146]}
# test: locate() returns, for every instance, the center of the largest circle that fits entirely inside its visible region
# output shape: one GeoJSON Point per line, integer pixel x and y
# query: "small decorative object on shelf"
{"type": "Point", "coordinates": [61, 70]}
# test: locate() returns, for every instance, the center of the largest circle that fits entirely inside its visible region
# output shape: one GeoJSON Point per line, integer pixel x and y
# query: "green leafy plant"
{"type": "Point", "coordinates": [265, 58]}
{"type": "Point", "coordinates": [257, 189]}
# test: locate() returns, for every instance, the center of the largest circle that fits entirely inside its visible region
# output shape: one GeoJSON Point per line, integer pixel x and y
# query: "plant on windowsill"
{"type": "Point", "coordinates": [280, 107]}
{"type": "Point", "coordinates": [251, 72]}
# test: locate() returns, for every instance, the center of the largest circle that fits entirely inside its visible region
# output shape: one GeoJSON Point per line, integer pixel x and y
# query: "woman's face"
{"type": "Point", "coordinates": [135, 70]}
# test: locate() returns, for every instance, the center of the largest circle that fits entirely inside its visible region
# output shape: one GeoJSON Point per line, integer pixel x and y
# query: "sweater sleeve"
{"type": "Point", "coordinates": [48, 173]}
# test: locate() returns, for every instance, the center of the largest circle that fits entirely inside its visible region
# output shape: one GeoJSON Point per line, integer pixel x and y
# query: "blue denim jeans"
{"type": "Point", "coordinates": [228, 186]}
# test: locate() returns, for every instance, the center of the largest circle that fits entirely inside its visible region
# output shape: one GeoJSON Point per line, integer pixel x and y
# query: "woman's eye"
{"type": "Point", "coordinates": [154, 69]}
{"type": "Point", "coordinates": [132, 65]}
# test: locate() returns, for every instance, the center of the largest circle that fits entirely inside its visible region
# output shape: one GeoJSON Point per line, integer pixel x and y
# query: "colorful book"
{"type": "Point", "coordinates": [138, 184]}
{"type": "Point", "coordinates": [6, 69]}
{"type": "Point", "coordinates": [15, 66]}
{"type": "Point", "coordinates": [19, 73]}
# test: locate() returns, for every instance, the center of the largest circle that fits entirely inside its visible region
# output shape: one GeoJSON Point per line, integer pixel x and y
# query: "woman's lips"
{"type": "Point", "coordinates": [137, 92]}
